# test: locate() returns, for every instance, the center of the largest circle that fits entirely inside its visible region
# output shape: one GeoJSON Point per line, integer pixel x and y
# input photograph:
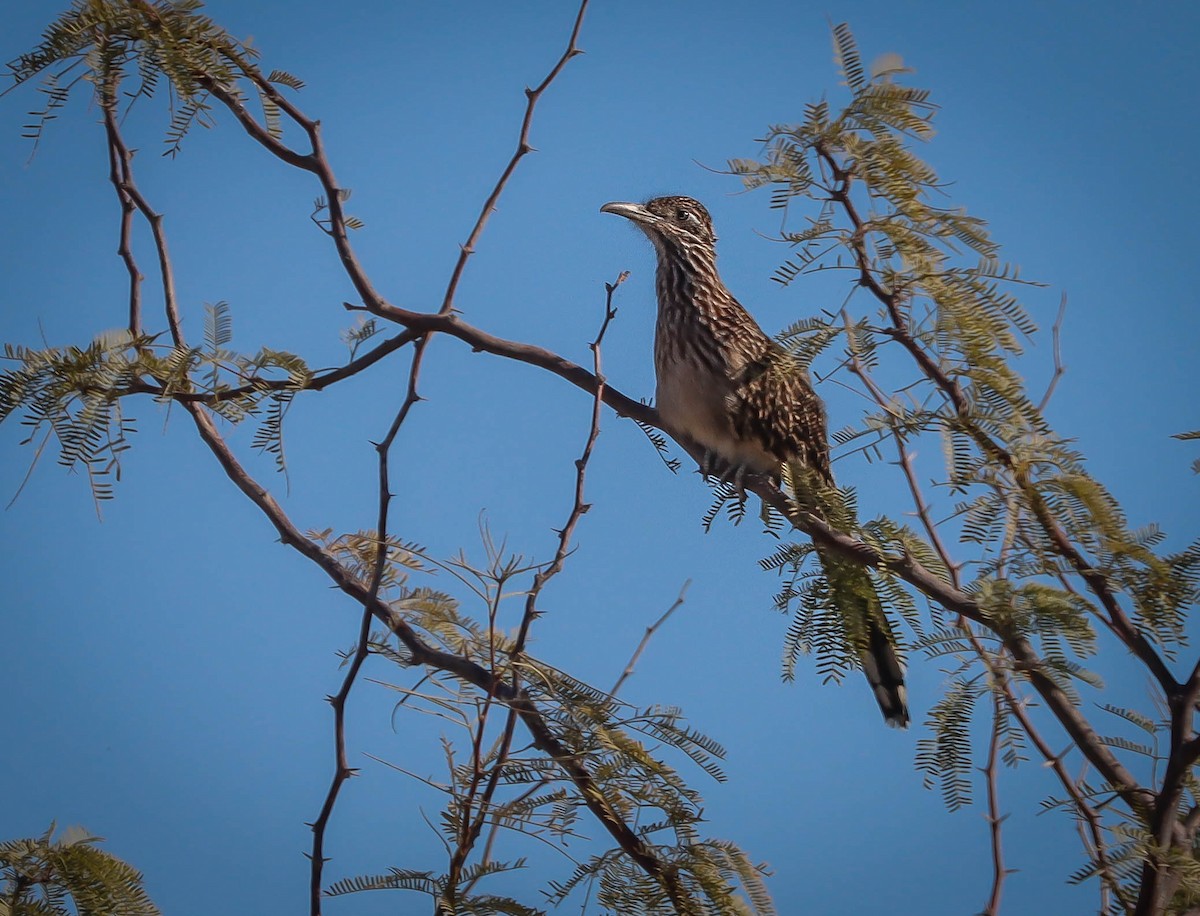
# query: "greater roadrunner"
{"type": "Point", "coordinates": [728, 387]}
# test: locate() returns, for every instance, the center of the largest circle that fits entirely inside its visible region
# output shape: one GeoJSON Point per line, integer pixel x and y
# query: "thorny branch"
{"type": "Point", "coordinates": [905, 567]}
{"type": "Point", "coordinates": [580, 507]}
{"type": "Point", "coordinates": [653, 628]}
{"type": "Point", "coordinates": [342, 768]}
{"type": "Point", "coordinates": [892, 300]}
{"type": "Point", "coordinates": [523, 149]}
{"type": "Point", "coordinates": [1159, 811]}
{"type": "Point", "coordinates": [994, 817]}
{"type": "Point", "coordinates": [420, 652]}
{"type": "Point", "coordinates": [1185, 748]}
{"type": "Point", "coordinates": [541, 578]}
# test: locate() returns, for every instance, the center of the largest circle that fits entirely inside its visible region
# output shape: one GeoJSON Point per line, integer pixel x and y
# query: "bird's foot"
{"type": "Point", "coordinates": [714, 467]}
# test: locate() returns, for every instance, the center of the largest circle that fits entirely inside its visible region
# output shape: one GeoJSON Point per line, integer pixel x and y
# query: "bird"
{"type": "Point", "coordinates": [724, 384]}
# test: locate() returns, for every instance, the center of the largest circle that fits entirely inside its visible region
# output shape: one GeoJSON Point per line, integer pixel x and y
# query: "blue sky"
{"type": "Point", "coordinates": [164, 671]}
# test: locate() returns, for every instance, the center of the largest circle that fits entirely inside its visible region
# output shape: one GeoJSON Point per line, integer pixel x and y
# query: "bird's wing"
{"type": "Point", "coordinates": [777, 407]}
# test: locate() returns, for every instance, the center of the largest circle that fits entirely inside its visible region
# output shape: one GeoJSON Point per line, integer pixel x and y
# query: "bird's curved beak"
{"type": "Point", "coordinates": [635, 212]}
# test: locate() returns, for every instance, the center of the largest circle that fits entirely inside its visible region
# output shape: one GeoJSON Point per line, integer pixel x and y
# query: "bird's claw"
{"type": "Point", "coordinates": [714, 467]}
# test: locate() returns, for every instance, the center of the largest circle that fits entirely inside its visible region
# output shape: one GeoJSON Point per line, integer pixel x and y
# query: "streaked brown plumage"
{"type": "Point", "coordinates": [727, 386]}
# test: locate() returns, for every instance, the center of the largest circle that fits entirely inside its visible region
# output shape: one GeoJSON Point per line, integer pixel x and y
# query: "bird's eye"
{"type": "Point", "coordinates": [683, 215]}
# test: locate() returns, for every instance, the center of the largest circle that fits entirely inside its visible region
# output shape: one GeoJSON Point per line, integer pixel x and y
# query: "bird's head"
{"type": "Point", "coordinates": [672, 223]}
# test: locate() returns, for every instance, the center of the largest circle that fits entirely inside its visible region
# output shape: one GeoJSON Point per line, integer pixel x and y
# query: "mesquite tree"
{"type": "Point", "coordinates": [1012, 589]}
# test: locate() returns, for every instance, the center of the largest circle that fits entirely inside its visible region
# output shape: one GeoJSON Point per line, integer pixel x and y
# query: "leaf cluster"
{"type": "Point", "coordinates": [68, 874]}
{"type": "Point", "coordinates": [100, 42]}
{"type": "Point", "coordinates": [75, 394]}
{"type": "Point", "coordinates": [1050, 556]}
{"type": "Point", "coordinates": [624, 748]}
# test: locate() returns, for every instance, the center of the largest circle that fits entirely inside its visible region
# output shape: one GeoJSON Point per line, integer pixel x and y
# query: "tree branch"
{"type": "Point", "coordinates": [653, 628]}
{"type": "Point", "coordinates": [906, 567]}
{"type": "Point", "coordinates": [119, 158]}
{"type": "Point", "coordinates": [523, 149]}
{"type": "Point", "coordinates": [342, 768]}
{"type": "Point", "coordinates": [541, 578]}
{"type": "Point", "coordinates": [420, 652]}
{"type": "Point", "coordinates": [994, 817]}
{"type": "Point", "coordinates": [1096, 580]}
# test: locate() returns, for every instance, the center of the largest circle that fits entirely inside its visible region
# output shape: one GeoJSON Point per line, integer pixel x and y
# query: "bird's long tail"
{"type": "Point", "coordinates": [868, 630]}
{"type": "Point", "coordinates": [850, 586]}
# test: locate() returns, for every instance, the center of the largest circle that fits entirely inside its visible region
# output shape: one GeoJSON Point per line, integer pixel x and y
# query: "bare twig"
{"type": "Point", "coordinates": [995, 819]}
{"type": "Point", "coordinates": [899, 331]}
{"type": "Point", "coordinates": [342, 768]}
{"type": "Point", "coordinates": [523, 149]}
{"type": "Point", "coordinates": [1059, 368]}
{"type": "Point", "coordinates": [121, 172]}
{"type": "Point", "coordinates": [578, 508]}
{"type": "Point", "coordinates": [421, 653]}
{"type": "Point", "coordinates": [119, 158]}
{"type": "Point", "coordinates": [647, 636]}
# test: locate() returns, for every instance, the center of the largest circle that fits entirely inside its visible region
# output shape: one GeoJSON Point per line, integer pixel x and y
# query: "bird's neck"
{"type": "Point", "coordinates": [688, 284]}
{"type": "Point", "coordinates": [691, 295]}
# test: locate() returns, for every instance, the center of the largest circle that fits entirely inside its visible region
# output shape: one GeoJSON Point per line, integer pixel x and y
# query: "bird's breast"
{"type": "Point", "coordinates": [698, 403]}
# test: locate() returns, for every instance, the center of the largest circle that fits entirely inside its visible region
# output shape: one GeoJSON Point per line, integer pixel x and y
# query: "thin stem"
{"type": "Point", "coordinates": [342, 769]}
{"type": "Point", "coordinates": [899, 331]}
{"type": "Point", "coordinates": [1059, 369]}
{"type": "Point", "coordinates": [647, 636]}
{"type": "Point", "coordinates": [578, 508]}
{"type": "Point", "coordinates": [995, 819]}
{"type": "Point", "coordinates": [420, 652]}
{"type": "Point", "coordinates": [523, 149]}
{"type": "Point", "coordinates": [119, 159]}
